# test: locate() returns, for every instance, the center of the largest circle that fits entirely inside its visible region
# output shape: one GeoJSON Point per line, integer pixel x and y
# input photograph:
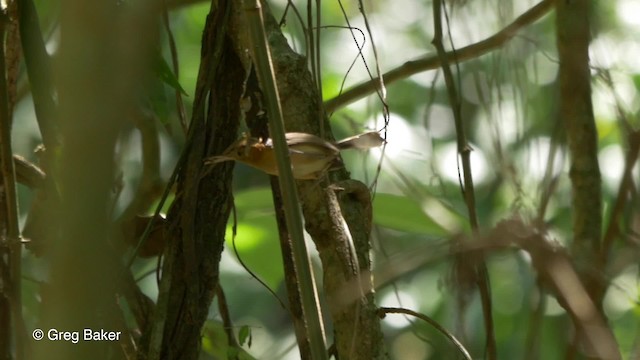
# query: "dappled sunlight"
{"type": "Point", "coordinates": [628, 11]}
{"type": "Point", "coordinates": [623, 295]}
{"type": "Point", "coordinates": [494, 222]}
{"type": "Point", "coordinates": [611, 160]}
{"type": "Point", "coordinates": [447, 163]}
{"type": "Point", "coordinates": [398, 299]}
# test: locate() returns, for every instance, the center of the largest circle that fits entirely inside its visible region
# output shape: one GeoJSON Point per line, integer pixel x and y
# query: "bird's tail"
{"type": "Point", "coordinates": [363, 141]}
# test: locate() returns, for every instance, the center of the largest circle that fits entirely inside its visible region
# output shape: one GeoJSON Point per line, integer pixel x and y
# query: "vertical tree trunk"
{"type": "Point", "coordinates": [199, 215]}
{"type": "Point", "coordinates": [576, 111]}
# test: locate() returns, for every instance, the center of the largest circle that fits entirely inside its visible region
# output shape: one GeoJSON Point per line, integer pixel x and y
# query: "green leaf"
{"type": "Point", "coordinates": [244, 334]}
{"type": "Point", "coordinates": [165, 73]}
{"type": "Point", "coordinates": [404, 214]}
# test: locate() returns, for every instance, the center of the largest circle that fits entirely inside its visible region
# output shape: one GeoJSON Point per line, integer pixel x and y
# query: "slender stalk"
{"type": "Point", "coordinates": [464, 150]}
{"type": "Point", "coordinates": [174, 62]}
{"type": "Point", "coordinates": [463, 352]}
{"type": "Point", "coordinates": [262, 61]}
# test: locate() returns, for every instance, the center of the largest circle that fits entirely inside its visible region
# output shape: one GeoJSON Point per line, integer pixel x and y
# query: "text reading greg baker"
{"type": "Point", "coordinates": [76, 336]}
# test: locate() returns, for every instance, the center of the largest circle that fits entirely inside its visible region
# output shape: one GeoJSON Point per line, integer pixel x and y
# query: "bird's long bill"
{"type": "Point", "coordinates": [363, 141]}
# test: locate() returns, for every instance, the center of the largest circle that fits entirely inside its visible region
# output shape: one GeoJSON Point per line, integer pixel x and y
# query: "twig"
{"type": "Point", "coordinates": [532, 343]}
{"type": "Point", "coordinates": [174, 62]}
{"type": "Point", "coordinates": [163, 199]}
{"type": "Point", "coordinates": [290, 274]}
{"type": "Point", "coordinates": [613, 230]}
{"type": "Point", "coordinates": [380, 79]}
{"type": "Point", "coordinates": [28, 173]}
{"type": "Point", "coordinates": [386, 310]}
{"type": "Point", "coordinates": [430, 62]}
{"type": "Point", "coordinates": [223, 308]}
{"type": "Point", "coordinates": [234, 233]}
{"type": "Point", "coordinates": [481, 276]}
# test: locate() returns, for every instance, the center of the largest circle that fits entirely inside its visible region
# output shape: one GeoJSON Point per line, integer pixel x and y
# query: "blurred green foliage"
{"type": "Point", "coordinates": [509, 105]}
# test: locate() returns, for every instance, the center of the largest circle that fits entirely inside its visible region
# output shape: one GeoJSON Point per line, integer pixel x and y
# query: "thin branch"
{"type": "Point", "coordinates": [476, 266]}
{"type": "Point", "coordinates": [174, 62]}
{"type": "Point", "coordinates": [613, 229]}
{"type": "Point", "coordinates": [532, 343]}
{"type": "Point", "coordinates": [223, 308]}
{"type": "Point", "coordinates": [381, 83]}
{"type": "Point", "coordinates": [386, 310]}
{"type": "Point", "coordinates": [290, 274]}
{"type": "Point", "coordinates": [234, 233]}
{"type": "Point", "coordinates": [28, 173]}
{"type": "Point", "coordinates": [431, 62]}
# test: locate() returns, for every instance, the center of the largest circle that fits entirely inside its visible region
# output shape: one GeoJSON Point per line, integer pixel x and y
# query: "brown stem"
{"type": "Point", "coordinates": [174, 62]}
{"type": "Point", "coordinates": [479, 270]}
{"type": "Point", "coordinates": [223, 308]}
{"type": "Point", "coordinates": [291, 276]}
{"type": "Point", "coordinates": [613, 230]}
{"type": "Point", "coordinates": [386, 310]}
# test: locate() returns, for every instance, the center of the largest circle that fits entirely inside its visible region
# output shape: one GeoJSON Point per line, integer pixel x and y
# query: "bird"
{"type": "Point", "coordinates": [310, 155]}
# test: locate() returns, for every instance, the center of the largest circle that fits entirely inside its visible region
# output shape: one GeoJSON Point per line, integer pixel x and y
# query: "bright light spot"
{"type": "Point", "coordinates": [612, 51]}
{"type": "Point", "coordinates": [447, 163]}
{"type": "Point", "coordinates": [400, 299]}
{"type": "Point", "coordinates": [286, 345]}
{"type": "Point", "coordinates": [441, 125]}
{"type": "Point", "coordinates": [603, 103]}
{"type": "Point", "coordinates": [628, 11]}
{"type": "Point", "coordinates": [536, 158]}
{"type": "Point", "coordinates": [425, 78]}
{"type": "Point", "coordinates": [404, 141]}
{"type": "Point", "coordinates": [443, 215]}
{"type": "Point", "coordinates": [54, 42]}
{"type": "Point", "coordinates": [611, 160]}
{"type": "Point", "coordinates": [603, 51]}
{"type": "Point", "coordinates": [622, 294]}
